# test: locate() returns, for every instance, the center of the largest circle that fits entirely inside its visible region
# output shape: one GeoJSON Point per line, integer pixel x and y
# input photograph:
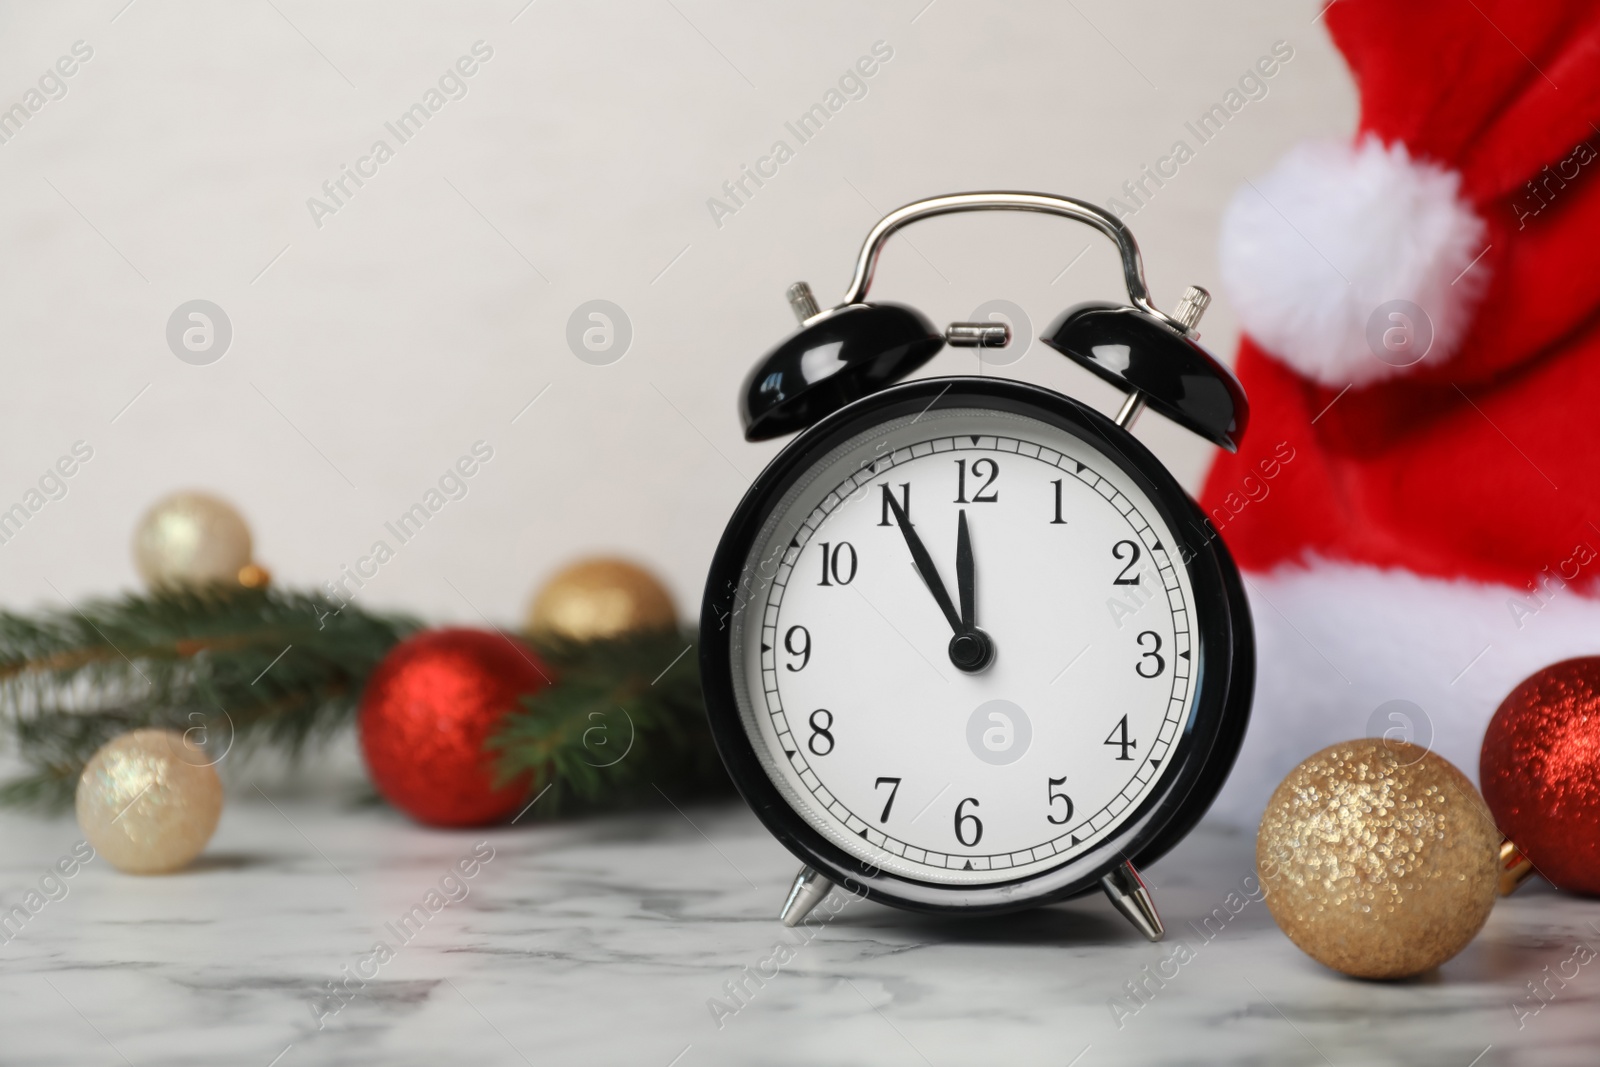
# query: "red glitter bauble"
{"type": "Point", "coordinates": [1540, 769]}
{"type": "Point", "coordinates": [429, 708]}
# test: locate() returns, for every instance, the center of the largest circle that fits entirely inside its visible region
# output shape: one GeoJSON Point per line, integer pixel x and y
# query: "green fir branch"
{"type": "Point", "coordinates": [238, 669]}
{"type": "Point", "coordinates": [624, 720]}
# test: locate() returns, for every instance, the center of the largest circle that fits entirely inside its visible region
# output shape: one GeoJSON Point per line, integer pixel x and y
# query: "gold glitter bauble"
{"type": "Point", "coordinates": [191, 539]}
{"type": "Point", "coordinates": [149, 801]}
{"type": "Point", "coordinates": [1379, 858]}
{"type": "Point", "coordinates": [596, 598]}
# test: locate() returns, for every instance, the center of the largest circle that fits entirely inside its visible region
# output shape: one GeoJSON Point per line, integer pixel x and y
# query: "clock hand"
{"type": "Point", "coordinates": [965, 578]}
{"type": "Point", "coordinates": [971, 649]}
{"type": "Point", "coordinates": [924, 565]}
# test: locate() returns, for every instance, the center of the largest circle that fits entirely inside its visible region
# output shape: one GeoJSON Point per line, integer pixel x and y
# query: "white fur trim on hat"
{"type": "Point", "coordinates": [1336, 643]}
{"type": "Point", "coordinates": [1311, 251]}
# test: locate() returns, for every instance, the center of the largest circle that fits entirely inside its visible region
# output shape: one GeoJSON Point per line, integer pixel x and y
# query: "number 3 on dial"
{"type": "Point", "coordinates": [1151, 654]}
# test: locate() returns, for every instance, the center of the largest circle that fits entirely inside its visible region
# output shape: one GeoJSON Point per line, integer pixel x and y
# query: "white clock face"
{"type": "Point", "coordinates": [844, 673]}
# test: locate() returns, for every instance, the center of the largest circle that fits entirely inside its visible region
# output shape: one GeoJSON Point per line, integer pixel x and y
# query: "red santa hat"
{"type": "Point", "coordinates": [1417, 505]}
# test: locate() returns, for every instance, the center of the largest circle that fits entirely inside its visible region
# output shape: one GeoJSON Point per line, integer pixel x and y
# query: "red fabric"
{"type": "Point", "coordinates": [1485, 465]}
{"type": "Point", "coordinates": [1462, 494]}
{"type": "Point", "coordinates": [1485, 86]}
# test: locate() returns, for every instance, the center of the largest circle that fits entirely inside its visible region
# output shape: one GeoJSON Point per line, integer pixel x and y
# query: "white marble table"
{"type": "Point", "coordinates": [604, 941]}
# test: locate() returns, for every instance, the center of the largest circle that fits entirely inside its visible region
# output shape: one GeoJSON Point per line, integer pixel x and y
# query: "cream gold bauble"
{"type": "Point", "coordinates": [1379, 859]}
{"type": "Point", "coordinates": [149, 801]}
{"type": "Point", "coordinates": [192, 539]}
{"type": "Point", "coordinates": [599, 598]}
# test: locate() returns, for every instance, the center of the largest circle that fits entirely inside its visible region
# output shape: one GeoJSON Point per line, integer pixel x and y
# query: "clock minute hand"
{"type": "Point", "coordinates": [966, 579]}
{"type": "Point", "coordinates": [971, 649]}
{"type": "Point", "coordinates": [924, 565]}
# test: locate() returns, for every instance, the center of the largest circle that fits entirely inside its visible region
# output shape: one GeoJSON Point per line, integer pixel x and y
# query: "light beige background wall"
{"type": "Point", "coordinates": [371, 351]}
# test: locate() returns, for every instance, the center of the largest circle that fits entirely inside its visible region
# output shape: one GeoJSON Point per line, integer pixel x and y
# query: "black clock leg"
{"type": "Point", "coordinates": [1127, 891]}
{"type": "Point", "coordinates": [807, 892]}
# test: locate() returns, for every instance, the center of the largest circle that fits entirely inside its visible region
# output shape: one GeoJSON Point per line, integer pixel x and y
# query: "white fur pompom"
{"type": "Point", "coordinates": [1312, 250]}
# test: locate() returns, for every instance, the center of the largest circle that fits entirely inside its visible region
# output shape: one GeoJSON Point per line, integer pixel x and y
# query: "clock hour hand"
{"type": "Point", "coordinates": [924, 565]}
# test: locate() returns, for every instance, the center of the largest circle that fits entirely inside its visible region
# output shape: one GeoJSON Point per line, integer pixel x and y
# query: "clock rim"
{"type": "Point", "coordinates": [1224, 668]}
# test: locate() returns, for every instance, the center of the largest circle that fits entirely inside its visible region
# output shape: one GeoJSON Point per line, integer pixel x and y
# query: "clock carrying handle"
{"type": "Point", "coordinates": [856, 348]}
{"type": "Point", "coordinates": [1066, 207]}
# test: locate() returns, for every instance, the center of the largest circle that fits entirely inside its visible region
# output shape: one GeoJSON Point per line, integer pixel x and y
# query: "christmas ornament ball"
{"type": "Point", "coordinates": [1540, 768]}
{"type": "Point", "coordinates": [191, 539]}
{"type": "Point", "coordinates": [148, 801]}
{"type": "Point", "coordinates": [1378, 858]}
{"type": "Point", "coordinates": [426, 713]}
{"type": "Point", "coordinates": [598, 598]}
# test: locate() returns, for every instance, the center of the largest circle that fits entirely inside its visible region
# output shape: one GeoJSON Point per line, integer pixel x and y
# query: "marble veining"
{"type": "Point", "coordinates": [652, 939]}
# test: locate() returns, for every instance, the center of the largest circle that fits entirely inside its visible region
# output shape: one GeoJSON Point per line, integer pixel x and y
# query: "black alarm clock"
{"type": "Point", "coordinates": [966, 645]}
